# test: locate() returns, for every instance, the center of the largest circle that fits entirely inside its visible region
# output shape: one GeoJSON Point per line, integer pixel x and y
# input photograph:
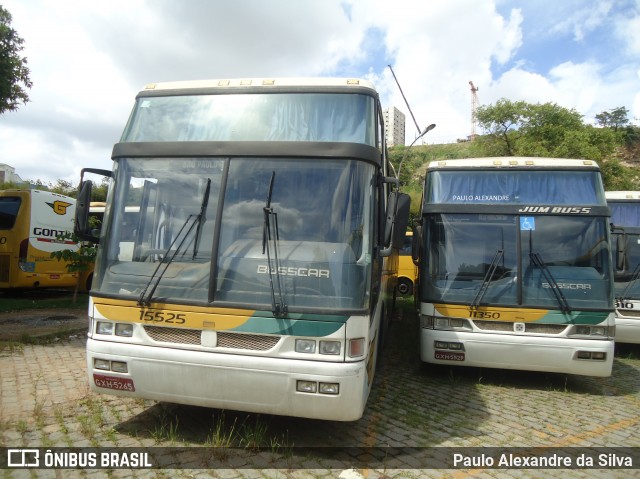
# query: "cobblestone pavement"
{"type": "Point", "coordinates": [45, 402]}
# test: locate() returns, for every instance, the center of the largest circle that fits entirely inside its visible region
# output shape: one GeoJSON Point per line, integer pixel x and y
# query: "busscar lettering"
{"type": "Point", "coordinates": [293, 271]}
{"type": "Point", "coordinates": [577, 286]}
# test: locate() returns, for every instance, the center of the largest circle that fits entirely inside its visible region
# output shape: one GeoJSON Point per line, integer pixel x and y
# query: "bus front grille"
{"type": "Point", "coordinates": [533, 328]}
{"type": "Point", "coordinates": [173, 335]}
{"type": "Point", "coordinates": [251, 342]}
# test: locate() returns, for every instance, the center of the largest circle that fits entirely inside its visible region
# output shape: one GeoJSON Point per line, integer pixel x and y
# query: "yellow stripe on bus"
{"type": "Point", "coordinates": [492, 313]}
{"type": "Point", "coordinates": [183, 316]}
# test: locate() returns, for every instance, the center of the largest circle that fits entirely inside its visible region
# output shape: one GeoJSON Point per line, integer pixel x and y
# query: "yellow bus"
{"type": "Point", "coordinates": [407, 270]}
{"type": "Point", "coordinates": [31, 222]}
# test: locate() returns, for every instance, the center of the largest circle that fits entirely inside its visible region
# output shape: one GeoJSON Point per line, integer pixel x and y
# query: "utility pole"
{"type": "Point", "coordinates": [474, 107]}
{"type": "Point", "coordinates": [405, 100]}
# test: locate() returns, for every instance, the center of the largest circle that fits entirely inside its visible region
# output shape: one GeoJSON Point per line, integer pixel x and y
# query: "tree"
{"type": "Point", "coordinates": [615, 118]}
{"type": "Point", "coordinates": [501, 123]}
{"type": "Point", "coordinates": [14, 74]}
{"type": "Point", "coordinates": [525, 129]}
{"type": "Point", "coordinates": [81, 260]}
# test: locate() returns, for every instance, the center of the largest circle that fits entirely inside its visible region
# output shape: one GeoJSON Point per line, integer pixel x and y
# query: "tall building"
{"type": "Point", "coordinates": [393, 126]}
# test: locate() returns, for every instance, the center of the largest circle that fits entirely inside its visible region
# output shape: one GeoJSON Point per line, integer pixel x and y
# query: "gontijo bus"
{"type": "Point", "coordinates": [264, 253]}
{"type": "Point", "coordinates": [515, 266]}
{"type": "Point", "coordinates": [625, 241]}
{"type": "Point", "coordinates": [31, 225]}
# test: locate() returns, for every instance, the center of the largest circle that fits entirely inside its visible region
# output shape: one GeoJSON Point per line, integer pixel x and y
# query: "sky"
{"type": "Point", "coordinates": [88, 59]}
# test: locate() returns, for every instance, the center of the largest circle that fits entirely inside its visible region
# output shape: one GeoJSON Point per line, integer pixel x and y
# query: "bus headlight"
{"type": "Point", "coordinates": [598, 331]}
{"type": "Point", "coordinates": [329, 388]}
{"type": "Point", "coordinates": [330, 347]}
{"type": "Point", "coordinates": [430, 322]}
{"type": "Point", "coordinates": [307, 346]}
{"type": "Point", "coordinates": [306, 386]}
{"type": "Point", "coordinates": [101, 364]}
{"type": "Point", "coordinates": [103, 327]}
{"type": "Point", "coordinates": [124, 329]}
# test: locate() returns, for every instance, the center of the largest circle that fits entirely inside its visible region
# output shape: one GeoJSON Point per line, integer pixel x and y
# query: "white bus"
{"type": "Point", "coordinates": [264, 255]}
{"type": "Point", "coordinates": [31, 222]}
{"type": "Point", "coordinates": [515, 266]}
{"type": "Point", "coordinates": [625, 247]}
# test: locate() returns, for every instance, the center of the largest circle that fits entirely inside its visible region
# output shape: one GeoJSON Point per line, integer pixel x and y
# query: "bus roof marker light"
{"type": "Point", "coordinates": [529, 163]}
{"type": "Point", "coordinates": [269, 82]}
{"type": "Point", "coordinates": [245, 82]}
{"type": "Point", "coordinates": [497, 162]}
{"type": "Point", "coordinates": [150, 86]}
{"type": "Point", "coordinates": [587, 162]}
{"type": "Point", "coordinates": [223, 83]}
{"type": "Point", "coordinates": [353, 82]}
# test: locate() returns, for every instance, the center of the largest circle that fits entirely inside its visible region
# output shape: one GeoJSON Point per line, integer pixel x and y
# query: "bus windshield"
{"type": "Point", "coordinates": [465, 247]}
{"type": "Point", "coordinates": [537, 187]}
{"type": "Point", "coordinates": [625, 214]}
{"type": "Point", "coordinates": [499, 254]}
{"type": "Point", "coordinates": [254, 117]}
{"type": "Point", "coordinates": [206, 221]}
{"type": "Point", "coordinates": [625, 236]}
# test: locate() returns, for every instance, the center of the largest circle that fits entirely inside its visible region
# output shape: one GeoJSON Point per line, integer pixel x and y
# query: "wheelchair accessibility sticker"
{"type": "Point", "coordinates": [527, 223]}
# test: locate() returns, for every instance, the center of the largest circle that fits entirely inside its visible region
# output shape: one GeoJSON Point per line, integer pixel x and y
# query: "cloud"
{"type": "Point", "coordinates": [89, 59]}
{"type": "Point", "coordinates": [581, 18]}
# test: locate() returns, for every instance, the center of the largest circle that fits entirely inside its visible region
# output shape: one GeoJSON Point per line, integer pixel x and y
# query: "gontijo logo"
{"type": "Point", "coordinates": [59, 207]}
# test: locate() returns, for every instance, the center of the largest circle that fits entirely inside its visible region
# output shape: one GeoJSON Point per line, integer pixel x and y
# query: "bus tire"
{"type": "Point", "coordinates": [405, 286]}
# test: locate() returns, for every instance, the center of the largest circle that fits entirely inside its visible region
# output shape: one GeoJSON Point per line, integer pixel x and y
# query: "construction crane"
{"type": "Point", "coordinates": [474, 107]}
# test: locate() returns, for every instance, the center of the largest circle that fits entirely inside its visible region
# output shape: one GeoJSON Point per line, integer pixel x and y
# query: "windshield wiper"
{"type": "Point", "coordinates": [269, 231]}
{"type": "Point", "coordinates": [633, 279]}
{"type": "Point", "coordinates": [487, 278]}
{"type": "Point", "coordinates": [145, 299]}
{"type": "Point", "coordinates": [562, 301]}
{"type": "Point", "coordinates": [201, 217]}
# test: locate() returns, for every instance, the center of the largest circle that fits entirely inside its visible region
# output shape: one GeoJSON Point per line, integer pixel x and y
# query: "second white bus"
{"type": "Point", "coordinates": [516, 267]}
{"type": "Point", "coordinates": [625, 241]}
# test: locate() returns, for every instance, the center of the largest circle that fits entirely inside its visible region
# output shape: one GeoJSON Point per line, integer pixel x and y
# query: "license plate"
{"type": "Point", "coordinates": [111, 382]}
{"type": "Point", "coordinates": [449, 356]}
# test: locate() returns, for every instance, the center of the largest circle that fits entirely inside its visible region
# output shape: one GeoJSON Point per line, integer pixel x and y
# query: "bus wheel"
{"type": "Point", "coordinates": [405, 286]}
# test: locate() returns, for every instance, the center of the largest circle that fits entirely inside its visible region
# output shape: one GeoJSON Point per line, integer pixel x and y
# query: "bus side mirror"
{"type": "Point", "coordinates": [621, 252]}
{"type": "Point", "coordinates": [397, 219]}
{"type": "Point", "coordinates": [416, 244]}
{"type": "Point", "coordinates": [403, 205]}
{"type": "Point", "coordinates": [81, 228]}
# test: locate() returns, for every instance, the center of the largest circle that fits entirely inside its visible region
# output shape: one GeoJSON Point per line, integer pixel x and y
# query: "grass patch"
{"type": "Point", "coordinates": [40, 339]}
{"type": "Point", "coordinates": [41, 299]}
